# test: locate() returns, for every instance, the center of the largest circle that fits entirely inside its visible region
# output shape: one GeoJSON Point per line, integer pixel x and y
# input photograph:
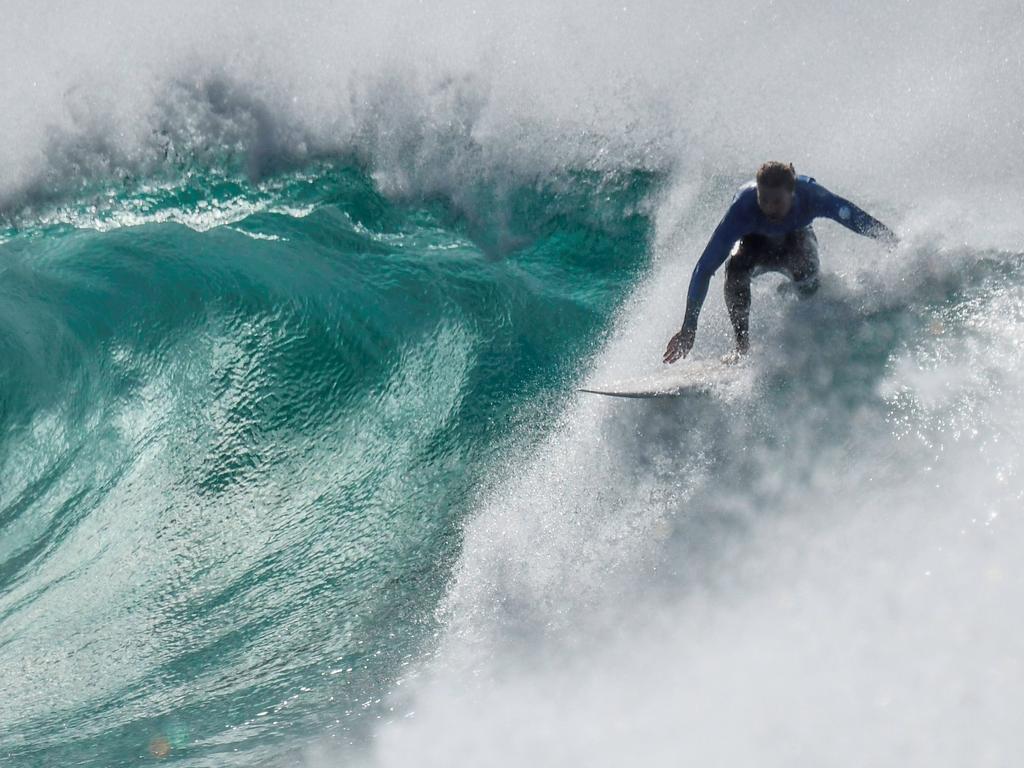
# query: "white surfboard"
{"type": "Point", "coordinates": [686, 376]}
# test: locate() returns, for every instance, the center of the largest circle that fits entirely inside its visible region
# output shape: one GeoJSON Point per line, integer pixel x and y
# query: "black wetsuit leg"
{"type": "Point", "coordinates": [795, 255]}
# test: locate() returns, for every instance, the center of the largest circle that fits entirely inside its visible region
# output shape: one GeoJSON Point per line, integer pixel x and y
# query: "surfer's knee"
{"type": "Point", "coordinates": [805, 267]}
{"type": "Point", "coordinates": [737, 273]}
{"type": "Point", "coordinates": [744, 256]}
{"type": "Point", "coordinates": [737, 291]}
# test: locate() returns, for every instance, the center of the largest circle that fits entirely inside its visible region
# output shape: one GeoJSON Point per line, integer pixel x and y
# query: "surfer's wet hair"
{"type": "Point", "coordinates": [774, 174]}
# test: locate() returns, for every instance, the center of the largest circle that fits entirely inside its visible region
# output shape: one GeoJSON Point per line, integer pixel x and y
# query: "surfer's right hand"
{"type": "Point", "coordinates": [679, 345]}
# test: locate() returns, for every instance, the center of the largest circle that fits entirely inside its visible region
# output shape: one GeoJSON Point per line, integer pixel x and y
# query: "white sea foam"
{"type": "Point", "coordinates": [826, 576]}
{"type": "Point", "coordinates": [893, 102]}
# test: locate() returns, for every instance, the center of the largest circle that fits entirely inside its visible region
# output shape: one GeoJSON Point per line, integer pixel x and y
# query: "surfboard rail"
{"type": "Point", "coordinates": [696, 377]}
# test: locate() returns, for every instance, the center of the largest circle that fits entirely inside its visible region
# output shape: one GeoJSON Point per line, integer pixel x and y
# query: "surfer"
{"type": "Point", "coordinates": [771, 217]}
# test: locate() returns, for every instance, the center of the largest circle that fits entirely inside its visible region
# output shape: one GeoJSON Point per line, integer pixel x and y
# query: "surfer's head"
{"type": "Point", "coordinates": [775, 184]}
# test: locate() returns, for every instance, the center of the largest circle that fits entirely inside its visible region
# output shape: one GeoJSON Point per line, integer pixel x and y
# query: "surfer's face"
{"type": "Point", "coordinates": [774, 202]}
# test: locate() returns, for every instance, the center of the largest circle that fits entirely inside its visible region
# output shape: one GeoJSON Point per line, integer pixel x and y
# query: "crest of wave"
{"type": "Point", "coordinates": [433, 96]}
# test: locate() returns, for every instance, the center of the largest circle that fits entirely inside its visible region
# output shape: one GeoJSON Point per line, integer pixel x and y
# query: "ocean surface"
{"type": "Point", "coordinates": [294, 303]}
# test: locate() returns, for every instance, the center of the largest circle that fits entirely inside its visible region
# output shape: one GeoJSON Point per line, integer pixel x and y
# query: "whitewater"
{"type": "Point", "coordinates": [294, 301]}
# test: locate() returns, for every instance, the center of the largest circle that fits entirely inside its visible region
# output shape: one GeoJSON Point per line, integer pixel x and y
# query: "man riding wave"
{"type": "Point", "coordinates": [771, 218]}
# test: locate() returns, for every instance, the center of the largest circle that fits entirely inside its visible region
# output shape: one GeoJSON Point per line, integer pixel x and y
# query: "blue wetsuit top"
{"type": "Point", "coordinates": [744, 217]}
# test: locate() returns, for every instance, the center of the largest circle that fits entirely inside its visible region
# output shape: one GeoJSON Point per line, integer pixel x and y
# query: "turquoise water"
{"type": "Point", "coordinates": [242, 424]}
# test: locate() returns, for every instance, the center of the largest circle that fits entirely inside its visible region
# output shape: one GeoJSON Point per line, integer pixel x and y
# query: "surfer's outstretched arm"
{"type": "Point", "coordinates": [854, 218]}
{"type": "Point", "coordinates": [728, 231]}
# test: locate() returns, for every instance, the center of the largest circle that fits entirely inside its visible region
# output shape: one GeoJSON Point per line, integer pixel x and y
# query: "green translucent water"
{"type": "Point", "coordinates": [240, 426]}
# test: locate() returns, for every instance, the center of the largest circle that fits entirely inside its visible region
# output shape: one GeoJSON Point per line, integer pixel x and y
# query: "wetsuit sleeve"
{"type": "Point", "coordinates": [730, 229]}
{"type": "Point", "coordinates": [841, 210]}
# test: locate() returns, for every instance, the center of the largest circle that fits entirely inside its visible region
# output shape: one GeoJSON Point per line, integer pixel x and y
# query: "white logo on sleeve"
{"type": "Point", "coordinates": [844, 213]}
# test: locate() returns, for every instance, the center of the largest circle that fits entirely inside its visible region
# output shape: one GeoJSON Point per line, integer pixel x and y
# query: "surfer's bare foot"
{"type": "Point", "coordinates": [733, 357]}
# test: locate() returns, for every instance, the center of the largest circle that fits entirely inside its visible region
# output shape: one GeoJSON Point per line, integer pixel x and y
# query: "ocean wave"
{"type": "Point", "coordinates": [291, 305]}
{"type": "Point", "coordinates": [217, 447]}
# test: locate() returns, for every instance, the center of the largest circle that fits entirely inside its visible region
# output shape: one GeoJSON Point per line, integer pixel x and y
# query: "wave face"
{"type": "Point", "coordinates": [236, 453]}
{"type": "Point", "coordinates": [292, 310]}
